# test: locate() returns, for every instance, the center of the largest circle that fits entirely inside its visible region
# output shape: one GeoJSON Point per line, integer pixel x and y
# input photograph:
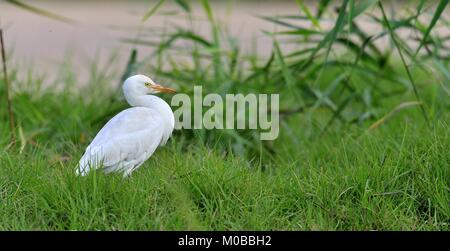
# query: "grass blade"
{"type": "Point", "coordinates": [337, 28]}
{"type": "Point", "coordinates": [217, 61]}
{"type": "Point", "coordinates": [403, 61]}
{"type": "Point", "coordinates": [208, 10]}
{"type": "Point", "coordinates": [131, 66]}
{"type": "Point", "coordinates": [322, 7]}
{"type": "Point", "coordinates": [392, 113]}
{"type": "Point", "coordinates": [337, 113]}
{"type": "Point", "coordinates": [184, 5]}
{"type": "Point", "coordinates": [302, 32]}
{"type": "Point", "coordinates": [41, 12]}
{"type": "Point", "coordinates": [361, 6]}
{"type": "Point", "coordinates": [436, 16]}
{"type": "Point", "coordinates": [152, 10]}
{"type": "Point", "coordinates": [278, 21]}
{"type": "Point", "coordinates": [7, 89]}
{"type": "Point", "coordinates": [305, 9]}
{"type": "Point", "coordinates": [287, 75]}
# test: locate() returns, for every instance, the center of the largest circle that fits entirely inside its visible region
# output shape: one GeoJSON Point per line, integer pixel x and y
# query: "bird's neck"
{"type": "Point", "coordinates": [155, 103]}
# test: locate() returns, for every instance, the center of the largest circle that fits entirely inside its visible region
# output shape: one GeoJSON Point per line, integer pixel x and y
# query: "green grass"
{"type": "Point", "coordinates": [327, 170]}
{"type": "Point", "coordinates": [384, 181]}
{"type": "Point", "coordinates": [396, 176]}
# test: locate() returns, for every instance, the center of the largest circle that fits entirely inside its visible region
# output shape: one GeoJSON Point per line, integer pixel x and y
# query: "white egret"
{"type": "Point", "coordinates": [131, 137]}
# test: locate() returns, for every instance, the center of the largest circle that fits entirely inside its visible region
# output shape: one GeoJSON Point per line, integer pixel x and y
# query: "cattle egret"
{"type": "Point", "coordinates": [131, 137]}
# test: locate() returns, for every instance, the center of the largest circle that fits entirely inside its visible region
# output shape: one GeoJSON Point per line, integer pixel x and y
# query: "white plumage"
{"type": "Point", "coordinates": [132, 136]}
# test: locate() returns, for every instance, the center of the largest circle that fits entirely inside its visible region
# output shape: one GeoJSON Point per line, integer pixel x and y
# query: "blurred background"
{"type": "Point", "coordinates": [102, 26]}
{"type": "Point", "coordinates": [94, 30]}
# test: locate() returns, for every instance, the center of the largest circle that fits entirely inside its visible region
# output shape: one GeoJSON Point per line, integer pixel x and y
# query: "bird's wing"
{"type": "Point", "coordinates": [125, 142]}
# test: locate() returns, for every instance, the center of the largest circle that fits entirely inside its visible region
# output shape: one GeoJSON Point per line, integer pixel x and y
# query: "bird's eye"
{"type": "Point", "coordinates": [147, 84]}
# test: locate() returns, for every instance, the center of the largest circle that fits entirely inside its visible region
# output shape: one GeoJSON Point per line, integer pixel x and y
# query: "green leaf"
{"type": "Point", "coordinates": [358, 7]}
{"type": "Point", "coordinates": [322, 7]}
{"type": "Point", "coordinates": [337, 113]}
{"type": "Point", "coordinates": [331, 37]}
{"type": "Point", "coordinates": [328, 39]}
{"type": "Point", "coordinates": [284, 68]}
{"type": "Point", "coordinates": [436, 16]}
{"type": "Point", "coordinates": [208, 10]}
{"type": "Point", "coordinates": [303, 32]}
{"type": "Point", "coordinates": [351, 13]}
{"type": "Point", "coordinates": [397, 45]}
{"type": "Point", "coordinates": [287, 74]}
{"type": "Point", "coordinates": [282, 23]}
{"type": "Point", "coordinates": [152, 10]}
{"type": "Point", "coordinates": [393, 112]}
{"type": "Point", "coordinates": [217, 61]}
{"type": "Point", "coordinates": [184, 5]}
{"type": "Point", "coordinates": [131, 65]}
{"type": "Point", "coordinates": [187, 35]}
{"type": "Point", "coordinates": [305, 9]}
{"type": "Point", "coordinates": [420, 6]}
{"type": "Point", "coordinates": [361, 6]}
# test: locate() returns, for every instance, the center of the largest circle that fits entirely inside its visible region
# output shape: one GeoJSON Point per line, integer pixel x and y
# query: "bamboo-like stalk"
{"type": "Point", "coordinates": [7, 89]}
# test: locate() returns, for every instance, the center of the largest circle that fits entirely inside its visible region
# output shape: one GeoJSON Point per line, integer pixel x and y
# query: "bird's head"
{"type": "Point", "coordinates": [138, 85]}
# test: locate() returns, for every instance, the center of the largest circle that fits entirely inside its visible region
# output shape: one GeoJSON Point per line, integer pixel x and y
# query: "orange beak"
{"type": "Point", "coordinates": [162, 89]}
